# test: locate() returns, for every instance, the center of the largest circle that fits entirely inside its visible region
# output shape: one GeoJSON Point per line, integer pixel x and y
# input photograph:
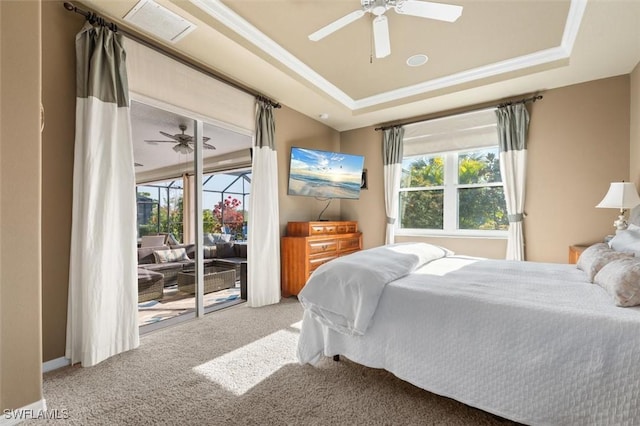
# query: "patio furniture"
{"type": "Point", "coordinates": [215, 279]}
{"type": "Point", "coordinates": [152, 240]}
{"type": "Point", "coordinates": [150, 285]}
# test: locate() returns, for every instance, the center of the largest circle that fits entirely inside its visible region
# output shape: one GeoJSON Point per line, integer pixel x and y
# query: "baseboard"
{"type": "Point", "coordinates": [36, 410]}
{"type": "Point", "coordinates": [54, 364]}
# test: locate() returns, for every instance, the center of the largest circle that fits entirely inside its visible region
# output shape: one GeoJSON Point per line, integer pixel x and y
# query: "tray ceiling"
{"type": "Point", "coordinates": [496, 49]}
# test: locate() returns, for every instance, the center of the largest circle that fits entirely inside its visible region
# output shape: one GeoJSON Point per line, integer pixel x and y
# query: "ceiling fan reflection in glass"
{"type": "Point", "coordinates": [183, 142]}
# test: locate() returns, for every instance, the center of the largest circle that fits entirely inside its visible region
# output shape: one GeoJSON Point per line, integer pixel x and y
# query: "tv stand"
{"type": "Point", "coordinates": [311, 244]}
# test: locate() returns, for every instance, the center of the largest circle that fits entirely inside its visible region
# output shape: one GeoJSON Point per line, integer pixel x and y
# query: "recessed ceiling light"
{"type": "Point", "coordinates": [417, 60]}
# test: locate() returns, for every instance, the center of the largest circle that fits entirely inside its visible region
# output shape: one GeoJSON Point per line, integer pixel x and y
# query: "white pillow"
{"type": "Point", "coordinates": [174, 255]}
{"type": "Point", "coordinates": [621, 279]}
{"type": "Point", "coordinates": [596, 256]}
{"type": "Point", "coordinates": [626, 241]}
{"type": "Point", "coordinates": [633, 227]}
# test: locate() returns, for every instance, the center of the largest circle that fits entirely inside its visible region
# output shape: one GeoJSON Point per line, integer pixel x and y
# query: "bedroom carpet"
{"type": "Point", "coordinates": [237, 366]}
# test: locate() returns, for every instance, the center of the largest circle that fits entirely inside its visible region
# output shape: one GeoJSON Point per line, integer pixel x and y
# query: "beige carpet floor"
{"type": "Point", "coordinates": [237, 366]}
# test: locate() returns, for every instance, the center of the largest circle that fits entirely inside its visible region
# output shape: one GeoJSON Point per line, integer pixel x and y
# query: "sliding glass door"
{"type": "Point", "coordinates": [193, 184]}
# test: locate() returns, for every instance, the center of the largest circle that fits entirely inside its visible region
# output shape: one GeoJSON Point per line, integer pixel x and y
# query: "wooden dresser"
{"type": "Point", "coordinates": [309, 245]}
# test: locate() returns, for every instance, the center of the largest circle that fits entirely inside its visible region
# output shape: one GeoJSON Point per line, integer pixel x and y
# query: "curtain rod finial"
{"type": "Point", "coordinates": [69, 6]}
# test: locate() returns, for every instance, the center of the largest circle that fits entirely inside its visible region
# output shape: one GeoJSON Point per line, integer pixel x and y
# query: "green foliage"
{"type": "Point", "coordinates": [478, 207]}
{"type": "Point", "coordinates": [422, 209]}
{"type": "Point", "coordinates": [423, 172]}
{"type": "Point", "coordinates": [478, 168]}
{"type": "Point", "coordinates": [169, 215]}
{"type": "Point", "coordinates": [482, 208]}
{"type": "Point", "coordinates": [209, 222]}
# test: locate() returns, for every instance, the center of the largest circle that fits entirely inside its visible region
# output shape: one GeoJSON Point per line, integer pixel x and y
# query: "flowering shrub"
{"type": "Point", "coordinates": [227, 214]}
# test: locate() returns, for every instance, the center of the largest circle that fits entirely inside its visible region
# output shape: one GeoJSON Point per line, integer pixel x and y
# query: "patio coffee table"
{"type": "Point", "coordinates": [215, 279]}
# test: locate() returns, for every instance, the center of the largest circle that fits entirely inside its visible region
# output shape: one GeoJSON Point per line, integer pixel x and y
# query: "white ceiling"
{"type": "Point", "coordinates": [496, 49]}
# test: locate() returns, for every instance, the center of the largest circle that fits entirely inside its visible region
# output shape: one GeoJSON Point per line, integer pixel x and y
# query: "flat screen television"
{"type": "Point", "coordinates": [325, 174]}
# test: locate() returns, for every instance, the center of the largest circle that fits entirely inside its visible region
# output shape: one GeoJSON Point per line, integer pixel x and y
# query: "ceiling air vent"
{"type": "Point", "coordinates": [160, 21]}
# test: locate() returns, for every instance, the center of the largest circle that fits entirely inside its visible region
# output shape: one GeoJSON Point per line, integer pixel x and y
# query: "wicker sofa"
{"type": "Point", "coordinates": [147, 260]}
{"type": "Point", "coordinates": [150, 285]}
{"type": "Point", "coordinates": [225, 255]}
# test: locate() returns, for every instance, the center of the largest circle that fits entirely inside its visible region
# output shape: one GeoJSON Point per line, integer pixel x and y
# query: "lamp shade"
{"type": "Point", "coordinates": [621, 195]}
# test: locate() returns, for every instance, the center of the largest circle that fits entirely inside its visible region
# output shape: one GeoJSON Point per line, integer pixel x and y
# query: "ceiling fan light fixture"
{"type": "Point", "coordinates": [417, 60]}
{"type": "Point", "coordinates": [183, 149]}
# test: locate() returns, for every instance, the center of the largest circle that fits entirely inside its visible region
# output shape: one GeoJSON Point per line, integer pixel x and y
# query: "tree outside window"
{"type": "Point", "coordinates": [452, 191]}
{"type": "Point", "coordinates": [226, 214]}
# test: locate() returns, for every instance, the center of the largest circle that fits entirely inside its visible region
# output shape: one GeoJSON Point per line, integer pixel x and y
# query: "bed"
{"type": "Point", "coordinates": [537, 343]}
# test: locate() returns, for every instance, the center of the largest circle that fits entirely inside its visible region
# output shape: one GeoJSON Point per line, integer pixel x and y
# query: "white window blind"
{"type": "Point", "coordinates": [475, 129]}
{"type": "Point", "coordinates": [157, 76]}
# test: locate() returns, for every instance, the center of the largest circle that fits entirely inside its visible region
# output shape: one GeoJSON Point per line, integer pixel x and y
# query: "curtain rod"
{"type": "Point", "coordinates": [500, 105]}
{"type": "Point", "coordinates": [94, 19]}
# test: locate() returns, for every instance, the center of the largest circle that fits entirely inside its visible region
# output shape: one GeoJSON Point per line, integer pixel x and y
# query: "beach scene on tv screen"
{"type": "Point", "coordinates": [325, 174]}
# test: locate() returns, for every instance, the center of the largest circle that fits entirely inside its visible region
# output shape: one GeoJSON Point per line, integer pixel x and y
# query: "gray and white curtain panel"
{"type": "Point", "coordinates": [392, 169]}
{"type": "Point", "coordinates": [513, 124]}
{"type": "Point", "coordinates": [263, 256]}
{"type": "Point", "coordinates": [102, 308]}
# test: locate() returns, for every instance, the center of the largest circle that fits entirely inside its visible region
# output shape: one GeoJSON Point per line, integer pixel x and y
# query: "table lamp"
{"type": "Point", "coordinates": [623, 196]}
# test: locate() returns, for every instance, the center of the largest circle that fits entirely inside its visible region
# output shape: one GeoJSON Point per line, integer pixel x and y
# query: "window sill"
{"type": "Point", "coordinates": [493, 235]}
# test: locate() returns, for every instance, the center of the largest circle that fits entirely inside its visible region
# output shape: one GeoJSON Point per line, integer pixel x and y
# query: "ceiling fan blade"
{"type": "Point", "coordinates": [155, 142]}
{"type": "Point", "coordinates": [427, 9]}
{"type": "Point", "coordinates": [174, 137]}
{"type": "Point", "coordinates": [207, 146]}
{"type": "Point", "coordinates": [381, 36]}
{"type": "Point", "coordinates": [336, 25]}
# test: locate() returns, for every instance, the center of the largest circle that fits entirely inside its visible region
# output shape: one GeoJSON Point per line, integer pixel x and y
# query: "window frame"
{"type": "Point", "coordinates": [450, 188]}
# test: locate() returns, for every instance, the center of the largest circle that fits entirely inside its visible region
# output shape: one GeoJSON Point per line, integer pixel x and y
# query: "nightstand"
{"type": "Point", "coordinates": [574, 253]}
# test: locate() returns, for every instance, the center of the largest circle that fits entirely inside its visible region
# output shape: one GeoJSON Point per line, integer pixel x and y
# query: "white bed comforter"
{"type": "Point", "coordinates": [356, 283]}
{"type": "Point", "coordinates": [535, 343]}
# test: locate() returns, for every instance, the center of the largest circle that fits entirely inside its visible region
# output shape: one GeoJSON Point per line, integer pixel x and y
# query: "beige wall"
{"type": "Point", "coordinates": [59, 28]}
{"type": "Point", "coordinates": [634, 132]}
{"type": "Point", "coordinates": [20, 191]}
{"type": "Point", "coordinates": [578, 144]}
{"type": "Point", "coordinates": [369, 209]}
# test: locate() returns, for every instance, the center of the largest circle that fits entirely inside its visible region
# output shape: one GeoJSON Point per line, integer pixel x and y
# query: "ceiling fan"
{"type": "Point", "coordinates": [184, 142]}
{"type": "Point", "coordinates": [382, 43]}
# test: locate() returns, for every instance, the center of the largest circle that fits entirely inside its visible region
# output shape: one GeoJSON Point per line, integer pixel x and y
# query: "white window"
{"type": "Point", "coordinates": [456, 191]}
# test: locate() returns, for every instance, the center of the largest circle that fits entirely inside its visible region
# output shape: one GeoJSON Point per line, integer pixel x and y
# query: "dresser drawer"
{"type": "Point", "coordinates": [349, 228]}
{"type": "Point", "coordinates": [314, 262]}
{"type": "Point", "coordinates": [324, 246]}
{"type": "Point", "coordinates": [322, 229]}
{"type": "Point", "coordinates": [349, 244]}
